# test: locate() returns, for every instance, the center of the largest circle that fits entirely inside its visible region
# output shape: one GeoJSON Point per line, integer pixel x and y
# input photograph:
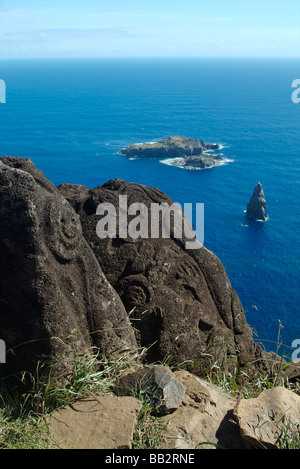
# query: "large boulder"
{"type": "Point", "coordinates": [55, 300]}
{"type": "Point", "coordinates": [257, 205]}
{"type": "Point", "coordinates": [204, 420]}
{"type": "Point", "coordinates": [269, 420]}
{"type": "Point", "coordinates": [181, 301]}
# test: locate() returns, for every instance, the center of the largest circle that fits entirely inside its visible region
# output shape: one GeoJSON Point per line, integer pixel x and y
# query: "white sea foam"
{"type": "Point", "coordinates": [145, 143]}
{"type": "Point", "coordinates": [171, 161]}
{"type": "Point", "coordinates": [220, 148]}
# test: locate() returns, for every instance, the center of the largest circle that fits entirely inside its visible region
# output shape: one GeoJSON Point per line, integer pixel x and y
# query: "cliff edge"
{"type": "Point", "coordinates": [64, 290]}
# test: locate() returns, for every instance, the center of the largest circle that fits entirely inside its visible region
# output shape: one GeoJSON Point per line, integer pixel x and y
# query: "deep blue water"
{"type": "Point", "coordinates": [72, 116]}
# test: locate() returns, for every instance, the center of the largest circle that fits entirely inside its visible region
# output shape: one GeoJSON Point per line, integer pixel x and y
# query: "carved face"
{"type": "Point", "coordinates": [64, 232]}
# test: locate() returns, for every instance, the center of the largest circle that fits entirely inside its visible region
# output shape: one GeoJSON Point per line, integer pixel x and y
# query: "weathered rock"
{"type": "Point", "coordinates": [54, 298]}
{"type": "Point", "coordinates": [170, 147]}
{"type": "Point", "coordinates": [189, 150]}
{"type": "Point", "coordinates": [105, 423]}
{"type": "Point", "coordinates": [198, 162]}
{"type": "Point", "coordinates": [156, 382]}
{"type": "Point", "coordinates": [265, 419]}
{"type": "Point", "coordinates": [257, 205]}
{"type": "Point", "coordinates": [74, 191]}
{"type": "Point", "coordinates": [205, 416]}
{"type": "Point", "coordinates": [181, 300]}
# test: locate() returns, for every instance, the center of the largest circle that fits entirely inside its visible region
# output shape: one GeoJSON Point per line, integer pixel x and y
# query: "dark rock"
{"type": "Point", "coordinates": [55, 300]}
{"type": "Point", "coordinates": [256, 207]}
{"type": "Point", "coordinates": [74, 191]}
{"type": "Point", "coordinates": [165, 393]}
{"type": "Point", "coordinates": [182, 303]}
{"type": "Point", "coordinates": [170, 147]}
{"type": "Point", "coordinates": [198, 162]}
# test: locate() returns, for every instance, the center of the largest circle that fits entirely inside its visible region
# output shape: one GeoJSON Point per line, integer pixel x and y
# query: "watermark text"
{"type": "Point", "coordinates": [2, 351]}
{"type": "Point", "coordinates": [159, 220]}
{"type": "Point", "coordinates": [296, 93]}
{"type": "Point", "coordinates": [296, 353]}
{"type": "Point", "coordinates": [2, 92]}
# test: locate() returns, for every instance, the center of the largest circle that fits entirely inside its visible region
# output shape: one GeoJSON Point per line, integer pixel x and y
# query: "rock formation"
{"type": "Point", "coordinates": [205, 418]}
{"type": "Point", "coordinates": [165, 393]}
{"type": "Point", "coordinates": [264, 420]}
{"type": "Point", "coordinates": [188, 152]}
{"type": "Point", "coordinates": [181, 301]}
{"type": "Point", "coordinates": [198, 162]}
{"type": "Point", "coordinates": [169, 147]}
{"type": "Point", "coordinates": [256, 207]}
{"type": "Point", "coordinates": [55, 300]}
{"type": "Point", "coordinates": [64, 290]}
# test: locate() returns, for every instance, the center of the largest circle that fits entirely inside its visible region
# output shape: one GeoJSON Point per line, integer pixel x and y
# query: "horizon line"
{"type": "Point", "coordinates": [156, 57]}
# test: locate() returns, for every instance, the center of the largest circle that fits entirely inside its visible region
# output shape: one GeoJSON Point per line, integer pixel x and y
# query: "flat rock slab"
{"type": "Point", "coordinates": [264, 419]}
{"type": "Point", "coordinates": [106, 423]}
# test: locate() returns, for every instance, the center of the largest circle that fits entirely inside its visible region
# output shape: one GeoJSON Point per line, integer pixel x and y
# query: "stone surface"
{"type": "Point", "coordinates": [55, 300]}
{"type": "Point", "coordinates": [264, 419]}
{"type": "Point", "coordinates": [257, 205]}
{"type": "Point", "coordinates": [205, 416]}
{"type": "Point", "coordinates": [199, 162]}
{"type": "Point", "coordinates": [105, 423]}
{"type": "Point", "coordinates": [181, 300]}
{"type": "Point", "coordinates": [189, 150]}
{"type": "Point", "coordinates": [165, 393]}
{"type": "Point", "coordinates": [170, 147]}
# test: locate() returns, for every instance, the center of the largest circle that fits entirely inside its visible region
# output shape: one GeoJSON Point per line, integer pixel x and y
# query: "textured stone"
{"type": "Point", "coordinates": [156, 382]}
{"type": "Point", "coordinates": [264, 419]}
{"type": "Point", "coordinates": [105, 423]}
{"type": "Point", "coordinates": [205, 416]}
{"type": "Point", "coordinates": [257, 205]}
{"type": "Point", "coordinates": [169, 147]}
{"type": "Point", "coordinates": [55, 300]}
{"type": "Point", "coordinates": [182, 303]}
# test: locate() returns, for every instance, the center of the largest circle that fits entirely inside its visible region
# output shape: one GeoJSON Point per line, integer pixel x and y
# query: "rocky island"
{"type": "Point", "coordinates": [184, 152]}
{"type": "Point", "coordinates": [256, 208]}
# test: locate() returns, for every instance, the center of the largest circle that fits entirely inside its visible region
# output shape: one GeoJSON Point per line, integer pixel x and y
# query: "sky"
{"type": "Point", "coordinates": [149, 28]}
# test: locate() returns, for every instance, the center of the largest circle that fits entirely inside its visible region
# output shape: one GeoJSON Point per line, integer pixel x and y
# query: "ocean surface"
{"type": "Point", "coordinates": [72, 116]}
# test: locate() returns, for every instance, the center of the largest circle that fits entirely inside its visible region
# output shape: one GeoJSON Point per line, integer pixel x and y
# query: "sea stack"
{"type": "Point", "coordinates": [256, 207]}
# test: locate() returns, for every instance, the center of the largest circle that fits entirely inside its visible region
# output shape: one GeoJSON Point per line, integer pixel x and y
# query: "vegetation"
{"type": "Point", "coordinates": [175, 146]}
{"type": "Point", "coordinates": [149, 428]}
{"type": "Point", "coordinates": [23, 417]}
{"type": "Point", "coordinates": [171, 143]}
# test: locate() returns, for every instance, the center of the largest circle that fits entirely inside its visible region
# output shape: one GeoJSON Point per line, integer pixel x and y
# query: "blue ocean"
{"type": "Point", "coordinates": [72, 116]}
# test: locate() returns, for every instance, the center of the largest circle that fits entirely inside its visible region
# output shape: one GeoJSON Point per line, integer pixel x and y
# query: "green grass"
{"type": "Point", "coordinates": [149, 428]}
{"type": "Point", "coordinates": [22, 416]}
